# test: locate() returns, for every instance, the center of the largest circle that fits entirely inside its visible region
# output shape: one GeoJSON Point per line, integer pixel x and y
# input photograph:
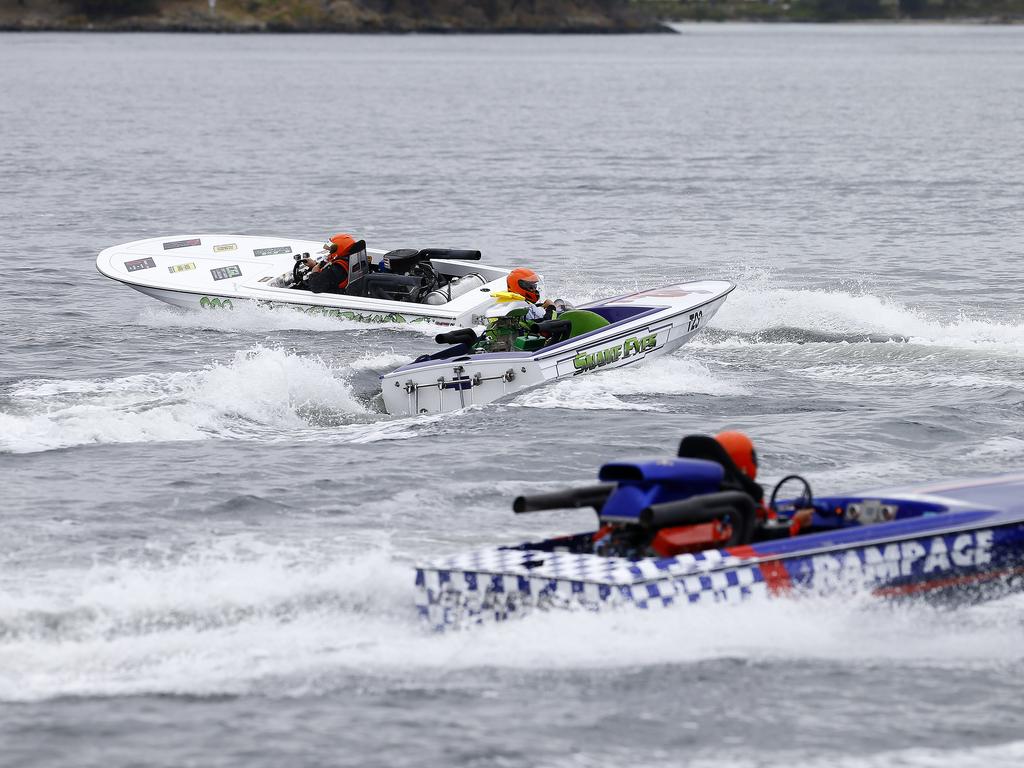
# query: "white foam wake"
{"type": "Point", "coordinates": [604, 390]}
{"type": "Point", "coordinates": [258, 391]}
{"type": "Point", "coordinates": [244, 615]}
{"type": "Point", "coordinates": [379, 361]}
{"type": "Point", "coordinates": [754, 308]}
{"type": "Point", "coordinates": [1009, 755]}
{"type": "Point", "coordinates": [211, 620]}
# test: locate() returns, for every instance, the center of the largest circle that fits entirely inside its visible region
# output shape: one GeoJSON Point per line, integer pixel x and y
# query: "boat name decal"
{"type": "Point", "coordinates": [382, 317]}
{"type": "Point", "coordinates": [634, 345]}
{"type": "Point", "coordinates": [225, 247]}
{"type": "Point", "coordinates": [272, 251]}
{"type": "Point", "coordinates": [883, 563]}
{"type": "Point", "coordinates": [135, 266]}
{"type": "Point", "coordinates": [223, 273]}
{"type": "Point", "coordinates": [181, 267]}
{"type": "Point", "coordinates": [182, 243]}
{"type": "Point", "coordinates": [215, 303]}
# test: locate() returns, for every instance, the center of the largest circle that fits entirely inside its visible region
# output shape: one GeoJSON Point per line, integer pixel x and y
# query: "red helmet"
{"type": "Point", "coordinates": [741, 450]}
{"type": "Point", "coordinates": [340, 246]}
{"type": "Point", "coordinates": [525, 282]}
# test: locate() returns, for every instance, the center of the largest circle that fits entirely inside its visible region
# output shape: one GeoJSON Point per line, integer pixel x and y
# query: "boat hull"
{"type": "Point", "coordinates": [193, 301]}
{"type": "Point", "coordinates": [660, 321]}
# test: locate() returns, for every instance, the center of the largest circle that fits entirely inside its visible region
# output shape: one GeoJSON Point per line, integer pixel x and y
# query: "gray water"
{"type": "Point", "coordinates": [209, 523]}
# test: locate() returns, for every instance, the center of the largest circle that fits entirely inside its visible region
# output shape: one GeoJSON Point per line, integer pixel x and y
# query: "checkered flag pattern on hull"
{"type": "Point", "coordinates": [498, 584]}
{"type": "Point", "coordinates": [502, 583]}
{"type": "Point", "coordinates": [558, 565]}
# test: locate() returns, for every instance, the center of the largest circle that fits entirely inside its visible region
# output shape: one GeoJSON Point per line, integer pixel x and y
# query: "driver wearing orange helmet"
{"type": "Point", "coordinates": [743, 454]}
{"type": "Point", "coordinates": [526, 283]}
{"type": "Point", "coordinates": [331, 276]}
{"type": "Point", "coordinates": [741, 450]}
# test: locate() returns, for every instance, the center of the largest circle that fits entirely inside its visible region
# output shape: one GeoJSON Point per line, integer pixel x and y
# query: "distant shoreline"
{"type": "Point", "coordinates": [506, 17]}
{"type": "Point", "coordinates": [99, 27]}
{"type": "Point", "coordinates": [666, 27]}
{"type": "Point", "coordinates": [1002, 12]}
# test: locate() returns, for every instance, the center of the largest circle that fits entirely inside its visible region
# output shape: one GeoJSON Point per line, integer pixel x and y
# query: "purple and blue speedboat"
{"type": "Point", "coordinates": [692, 529]}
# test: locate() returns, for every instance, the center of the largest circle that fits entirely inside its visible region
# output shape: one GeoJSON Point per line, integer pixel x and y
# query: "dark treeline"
{"type": "Point", "coordinates": [333, 15]}
{"type": "Point", "coordinates": [467, 15]}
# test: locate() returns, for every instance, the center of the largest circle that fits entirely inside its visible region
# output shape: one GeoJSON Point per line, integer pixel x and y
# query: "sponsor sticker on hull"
{"type": "Point", "coordinates": [182, 243]}
{"type": "Point", "coordinates": [215, 302]}
{"type": "Point", "coordinates": [175, 268]}
{"type": "Point", "coordinates": [137, 264]}
{"type": "Point", "coordinates": [272, 251]}
{"type": "Point", "coordinates": [223, 273]}
{"type": "Point", "coordinates": [225, 247]}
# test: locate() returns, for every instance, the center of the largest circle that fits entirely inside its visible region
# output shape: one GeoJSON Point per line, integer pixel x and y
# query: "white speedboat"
{"type": "Point", "coordinates": [606, 334]}
{"type": "Point", "coordinates": [442, 286]}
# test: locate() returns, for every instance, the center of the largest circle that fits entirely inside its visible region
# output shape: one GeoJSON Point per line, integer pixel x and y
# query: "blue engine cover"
{"type": "Point", "coordinates": [642, 483]}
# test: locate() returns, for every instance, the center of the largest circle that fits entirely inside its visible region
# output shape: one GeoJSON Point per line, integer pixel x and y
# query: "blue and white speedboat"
{"type": "Point", "coordinates": [687, 530]}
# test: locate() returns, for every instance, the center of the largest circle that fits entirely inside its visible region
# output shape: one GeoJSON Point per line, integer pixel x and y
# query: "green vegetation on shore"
{"type": "Point", "coordinates": [331, 15]}
{"type": "Point", "coordinates": [468, 15]}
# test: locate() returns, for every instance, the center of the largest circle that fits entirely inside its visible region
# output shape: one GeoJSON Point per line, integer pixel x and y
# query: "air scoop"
{"type": "Point", "coordinates": [642, 484]}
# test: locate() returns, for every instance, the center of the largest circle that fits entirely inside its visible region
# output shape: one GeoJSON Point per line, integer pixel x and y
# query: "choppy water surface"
{"type": "Point", "coordinates": [209, 523]}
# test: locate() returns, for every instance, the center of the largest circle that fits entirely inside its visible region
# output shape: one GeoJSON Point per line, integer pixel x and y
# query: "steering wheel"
{"type": "Point", "coordinates": [802, 502]}
{"type": "Point", "coordinates": [299, 272]}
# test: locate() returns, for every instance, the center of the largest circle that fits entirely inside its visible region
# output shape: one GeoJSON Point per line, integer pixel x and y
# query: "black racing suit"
{"type": "Point", "coordinates": [333, 278]}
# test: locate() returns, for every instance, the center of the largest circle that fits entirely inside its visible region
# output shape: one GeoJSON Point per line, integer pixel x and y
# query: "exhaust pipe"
{"type": "Point", "coordinates": [703, 509]}
{"type": "Point", "coordinates": [458, 336]}
{"type": "Point", "coordinates": [575, 498]}
{"type": "Point", "coordinates": [450, 253]}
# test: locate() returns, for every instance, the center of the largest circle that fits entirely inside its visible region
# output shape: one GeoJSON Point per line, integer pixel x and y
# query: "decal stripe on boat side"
{"type": "Point", "coordinates": [952, 581]}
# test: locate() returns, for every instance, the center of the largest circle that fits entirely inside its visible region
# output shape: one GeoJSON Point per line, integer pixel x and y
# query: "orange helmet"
{"type": "Point", "coordinates": [525, 282]}
{"type": "Point", "coordinates": [340, 246]}
{"type": "Point", "coordinates": [741, 450]}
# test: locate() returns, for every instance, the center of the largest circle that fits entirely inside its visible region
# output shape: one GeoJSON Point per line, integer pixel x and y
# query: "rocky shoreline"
{"type": "Point", "coordinates": [331, 16]}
